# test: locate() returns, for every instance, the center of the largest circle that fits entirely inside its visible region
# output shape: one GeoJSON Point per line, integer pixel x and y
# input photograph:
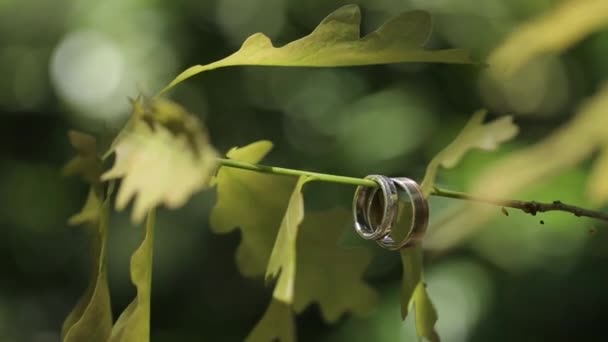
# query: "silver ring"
{"type": "Point", "coordinates": [419, 210]}
{"type": "Point", "coordinates": [367, 224]}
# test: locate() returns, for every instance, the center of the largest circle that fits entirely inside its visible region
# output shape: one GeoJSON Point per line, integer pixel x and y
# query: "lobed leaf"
{"type": "Point", "coordinates": [87, 163]}
{"type": "Point", "coordinates": [426, 314]}
{"type": "Point", "coordinates": [327, 274]}
{"type": "Point", "coordinates": [91, 212]}
{"type": "Point", "coordinates": [411, 259]}
{"type": "Point", "coordinates": [133, 324]}
{"type": "Point", "coordinates": [336, 41]}
{"type": "Point", "coordinates": [598, 179]}
{"type": "Point", "coordinates": [277, 324]}
{"type": "Point", "coordinates": [91, 318]}
{"type": "Point", "coordinates": [548, 34]}
{"type": "Point", "coordinates": [415, 296]}
{"type": "Point", "coordinates": [567, 146]}
{"type": "Point", "coordinates": [283, 255]}
{"type": "Point", "coordinates": [163, 157]}
{"type": "Point", "coordinates": [475, 134]}
{"type": "Point", "coordinates": [253, 202]}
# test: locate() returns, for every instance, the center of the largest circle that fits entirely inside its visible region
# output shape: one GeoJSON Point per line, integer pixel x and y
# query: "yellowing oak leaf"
{"type": "Point", "coordinates": [598, 180]}
{"type": "Point", "coordinates": [133, 324]}
{"type": "Point", "coordinates": [91, 318]}
{"type": "Point", "coordinates": [277, 324]}
{"type": "Point", "coordinates": [426, 314]}
{"type": "Point", "coordinates": [163, 156]}
{"type": "Point", "coordinates": [253, 202]}
{"type": "Point", "coordinates": [87, 163]}
{"type": "Point", "coordinates": [414, 294]}
{"type": "Point", "coordinates": [564, 148]}
{"type": "Point", "coordinates": [91, 211]}
{"type": "Point", "coordinates": [324, 274]}
{"type": "Point", "coordinates": [549, 34]}
{"type": "Point", "coordinates": [475, 134]}
{"type": "Point", "coordinates": [283, 255]}
{"type": "Point", "coordinates": [336, 41]}
{"type": "Point", "coordinates": [327, 274]}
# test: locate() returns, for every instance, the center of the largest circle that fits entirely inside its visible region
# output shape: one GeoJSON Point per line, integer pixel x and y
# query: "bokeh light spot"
{"type": "Point", "coordinates": [384, 125]}
{"type": "Point", "coordinates": [86, 68]}
{"type": "Point", "coordinates": [539, 88]}
{"type": "Point", "coordinates": [461, 291]}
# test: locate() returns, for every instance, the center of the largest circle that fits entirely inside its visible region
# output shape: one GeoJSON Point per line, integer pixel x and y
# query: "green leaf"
{"type": "Point", "coordinates": [337, 42]}
{"type": "Point", "coordinates": [411, 259]}
{"type": "Point", "coordinates": [283, 256]}
{"type": "Point", "coordinates": [598, 179]}
{"type": "Point", "coordinates": [163, 156]}
{"type": "Point", "coordinates": [327, 274]}
{"type": "Point", "coordinates": [567, 146]}
{"type": "Point", "coordinates": [92, 210]}
{"type": "Point", "coordinates": [414, 294]}
{"type": "Point", "coordinates": [133, 325]}
{"type": "Point", "coordinates": [277, 324]}
{"type": "Point", "coordinates": [475, 134]}
{"type": "Point", "coordinates": [91, 318]}
{"type": "Point", "coordinates": [86, 163]}
{"type": "Point", "coordinates": [426, 314]}
{"type": "Point", "coordinates": [253, 202]}
{"type": "Point", "coordinates": [548, 34]}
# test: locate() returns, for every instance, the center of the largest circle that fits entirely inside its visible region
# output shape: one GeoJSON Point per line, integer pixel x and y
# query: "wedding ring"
{"type": "Point", "coordinates": [374, 209]}
{"type": "Point", "coordinates": [412, 210]}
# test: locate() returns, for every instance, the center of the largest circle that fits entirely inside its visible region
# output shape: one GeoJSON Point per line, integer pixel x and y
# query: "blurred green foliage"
{"type": "Point", "coordinates": [72, 64]}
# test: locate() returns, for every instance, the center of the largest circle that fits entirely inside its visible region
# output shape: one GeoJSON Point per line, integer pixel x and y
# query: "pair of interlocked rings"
{"type": "Point", "coordinates": [396, 201]}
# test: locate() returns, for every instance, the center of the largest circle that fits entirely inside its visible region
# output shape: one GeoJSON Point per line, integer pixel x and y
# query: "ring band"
{"type": "Point", "coordinates": [419, 216]}
{"type": "Point", "coordinates": [363, 204]}
{"type": "Point", "coordinates": [395, 201]}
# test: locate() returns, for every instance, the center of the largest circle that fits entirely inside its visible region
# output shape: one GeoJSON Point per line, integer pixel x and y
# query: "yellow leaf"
{"type": "Point", "coordinates": [426, 314]}
{"type": "Point", "coordinates": [277, 324]}
{"type": "Point", "coordinates": [283, 255]}
{"type": "Point", "coordinates": [253, 202]}
{"type": "Point", "coordinates": [87, 163]}
{"type": "Point", "coordinates": [133, 324]}
{"type": "Point", "coordinates": [91, 318]}
{"type": "Point", "coordinates": [337, 42]}
{"type": "Point", "coordinates": [327, 274]}
{"type": "Point", "coordinates": [566, 147]}
{"type": "Point", "coordinates": [566, 24]}
{"type": "Point", "coordinates": [475, 134]}
{"type": "Point", "coordinates": [598, 180]}
{"type": "Point", "coordinates": [91, 211]}
{"type": "Point", "coordinates": [414, 294]}
{"type": "Point", "coordinates": [163, 157]}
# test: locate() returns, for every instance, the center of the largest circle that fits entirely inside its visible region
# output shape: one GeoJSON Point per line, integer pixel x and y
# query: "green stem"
{"type": "Point", "coordinates": [297, 173]}
{"type": "Point", "coordinates": [529, 207]}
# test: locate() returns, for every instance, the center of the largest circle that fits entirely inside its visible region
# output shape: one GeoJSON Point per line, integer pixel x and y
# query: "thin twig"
{"type": "Point", "coordinates": [529, 207]}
